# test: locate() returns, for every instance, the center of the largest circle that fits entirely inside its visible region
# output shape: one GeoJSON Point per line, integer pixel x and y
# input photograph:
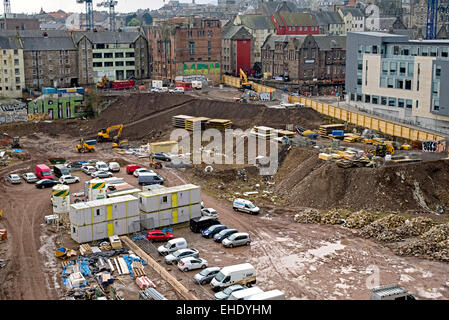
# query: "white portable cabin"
{"type": "Point", "coordinates": [167, 206]}
{"type": "Point", "coordinates": [100, 219]}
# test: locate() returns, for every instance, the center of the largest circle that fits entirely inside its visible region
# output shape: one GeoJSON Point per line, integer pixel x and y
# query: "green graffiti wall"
{"type": "Point", "coordinates": [201, 68]}
{"type": "Point", "coordinates": [54, 107]}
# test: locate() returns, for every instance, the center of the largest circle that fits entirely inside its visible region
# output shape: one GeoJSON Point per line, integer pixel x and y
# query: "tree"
{"type": "Point", "coordinates": [129, 18]}
{"type": "Point", "coordinates": [134, 22]}
{"type": "Point", "coordinates": [147, 18]}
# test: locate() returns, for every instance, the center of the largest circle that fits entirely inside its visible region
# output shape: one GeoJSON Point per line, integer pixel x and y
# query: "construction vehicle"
{"type": "Point", "coordinates": [14, 142]}
{"type": "Point", "coordinates": [124, 144]}
{"type": "Point", "coordinates": [381, 150]}
{"type": "Point", "coordinates": [105, 134]}
{"type": "Point", "coordinates": [86, 146]}
{"type": "Point", "coordinates": [155, 164]}
{"type": "Point", "coordinates": [244, 84]}
{"type": "Point", "coordinates": [102, 84]}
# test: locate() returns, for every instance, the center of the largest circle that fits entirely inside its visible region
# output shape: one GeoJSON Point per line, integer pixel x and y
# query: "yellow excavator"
{"type": "Point", "coordinates": [86, 145]}
{"type": "Point", "coordinates": [105, 134]}
{"type": "Point", "coordinates": [102, 84]}
{"type": "Point", "coordinates": [244, 84]}
{"type": "Point", "coordinates": [123, 144]}
{"type": "Point", "coordinates": [381, 150]}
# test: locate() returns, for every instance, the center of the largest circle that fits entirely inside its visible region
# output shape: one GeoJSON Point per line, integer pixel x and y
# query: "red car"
{"type": "Point", "coordinates": [158, 235]}
{"type": "Point", "coordinates": [130, 168]}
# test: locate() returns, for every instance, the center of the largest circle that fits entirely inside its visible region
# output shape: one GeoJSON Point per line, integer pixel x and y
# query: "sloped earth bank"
{"type": "Point", "coordinates": [321, 184]}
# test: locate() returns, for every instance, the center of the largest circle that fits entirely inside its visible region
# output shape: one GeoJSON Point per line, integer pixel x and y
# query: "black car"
{"type": "Point", "coordinates": [223, 234]}
{"type": "Point", "coordinates": [161, 156]}
{"type": "Point", "coordinates": [76, 165]}
{"type": "Point", "coordinates": [200, 223]}
{"type": "Point", "coordinates": [213, 230]}
{"type": "Point", "coordinates": [46, 183]}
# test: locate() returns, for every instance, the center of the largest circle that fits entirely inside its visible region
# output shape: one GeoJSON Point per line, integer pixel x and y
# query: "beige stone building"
{"type": "Point", "coordinates": [12, 74]}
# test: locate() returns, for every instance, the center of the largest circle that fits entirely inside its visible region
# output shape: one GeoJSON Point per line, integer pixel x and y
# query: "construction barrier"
{"type": "Point", "coordinates": [366, 121]}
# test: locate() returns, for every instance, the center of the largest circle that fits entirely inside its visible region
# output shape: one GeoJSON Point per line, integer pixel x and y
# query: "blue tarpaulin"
{"type": "Point", "coordinates": [129, 260]}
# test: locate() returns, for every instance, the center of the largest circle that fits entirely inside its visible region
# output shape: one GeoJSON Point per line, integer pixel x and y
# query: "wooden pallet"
{"type": "Point", "coordinates": [138, 272]}
{"type": "Point", "coordinates": [65, 263]}
{"type": "Point", "coordinates": [85, 249]}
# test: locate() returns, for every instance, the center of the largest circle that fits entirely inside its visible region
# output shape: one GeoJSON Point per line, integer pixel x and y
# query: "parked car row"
{"type": "Point", "coordinates": [145, 176]}
{"type": "Point", "coordinates": [210, 227]}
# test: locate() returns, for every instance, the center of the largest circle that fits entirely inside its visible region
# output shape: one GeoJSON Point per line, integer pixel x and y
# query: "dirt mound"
{"type": "Point", "coordinates": [144, 115]}
{"type": "Point", "coordinates": [320, 184]}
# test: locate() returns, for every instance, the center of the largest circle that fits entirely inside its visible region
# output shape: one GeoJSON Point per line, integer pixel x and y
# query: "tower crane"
{"type": "Point", "coordinates": [89, 14]}
{"type": "Point", "coordinates": [111, 5]}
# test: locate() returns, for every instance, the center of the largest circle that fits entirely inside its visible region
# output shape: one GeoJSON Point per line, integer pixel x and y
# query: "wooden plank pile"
{"type": "Point", "coordinates": [219, 124]}
{"type": "Point", "coordinates": [326, 129]}
{"type": "Point", "coordinates": [198, 123]}
{"type": "Point", "coordinates": [179, 121]}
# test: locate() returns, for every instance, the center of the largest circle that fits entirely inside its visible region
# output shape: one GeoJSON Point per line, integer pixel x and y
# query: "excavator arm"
{"type": "Point", "coordinates": [105, 134]}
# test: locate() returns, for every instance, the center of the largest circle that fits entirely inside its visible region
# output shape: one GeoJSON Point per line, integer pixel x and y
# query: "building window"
{"type": "Point", "coordinates": [392, 102]}
{"type": "Point", "coordinates": [95, 55]}
{"type": "Point", "coordinates": [390, 82]}
{"type": "Point", "coordinates": [408, 104]}
{"type": "Point", "coordinates": [129, 63]}
{"type": "Point", "coordinates": [401, 103]}
{"type": "Point", "coordinates": [130, 54]}
{"type": "Point", "coordinates": [437, 72]}
{"type": "Point", "coordinates": [402, 68]}
{"type": "Point", "coordinates": [367, 98]}
{"type": "Point", "coordinates": [383, 101]}
{"type": "Point", "coordinates": [393, 67]}
{"type": "Point", "coordinates": [98, 64]}
{"type": "Point", "coordinates": [192, 47]}
{"type": "Point", "coordinates": [108, 55]}
{"type": "Point", "coordinates": [119, 63]}
{"type": "Point", "coordinates": [436, 105]}
{"type": "Point", "coordinates": [375, 100]}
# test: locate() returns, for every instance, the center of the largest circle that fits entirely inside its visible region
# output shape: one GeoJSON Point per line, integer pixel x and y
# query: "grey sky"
{"type": "Point", "coordinates": [34, 6]}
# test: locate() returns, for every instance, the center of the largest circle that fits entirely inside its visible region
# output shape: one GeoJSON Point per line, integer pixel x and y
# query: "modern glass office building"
{"type": "Point", "coordinates": [400, 78]}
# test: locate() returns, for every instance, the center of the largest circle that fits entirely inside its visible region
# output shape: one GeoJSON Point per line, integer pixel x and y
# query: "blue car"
{"type": "Point", "coordinates": [218, 237]}
{"type": "Point", "coordinates": [212, 230]}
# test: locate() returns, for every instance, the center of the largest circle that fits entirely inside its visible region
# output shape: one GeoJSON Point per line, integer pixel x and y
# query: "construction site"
{"type": "Point", "coordinates": [347, 209]}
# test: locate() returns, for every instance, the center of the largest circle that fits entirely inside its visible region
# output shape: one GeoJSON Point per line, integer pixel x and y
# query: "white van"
{"type": "Point", "coordinates": [114, 167]}
{"type": "Point", "coordinates": [172, 245]}
{"type": "Point", "coordinates": [197, 85]}
{"type": "Point", "coordinates": [268, 295]}
{"type": "Point", "coordinates": [101, 166]}
{"type": "Point", "coordinates": [242, 274]}
{"type": "Point", "coordinates": [245, 206]}
{"type": "Point", "coordinates": [245, 294]}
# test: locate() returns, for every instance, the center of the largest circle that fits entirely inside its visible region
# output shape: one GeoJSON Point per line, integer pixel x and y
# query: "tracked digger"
{"type": "Point", "coordinates": [105, 134]}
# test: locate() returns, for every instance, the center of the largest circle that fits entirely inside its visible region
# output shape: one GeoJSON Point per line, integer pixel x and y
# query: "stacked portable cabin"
{"type": "Point", "coordinates": [160, 207]}
{"type": "Point", "coordinates": [100, 219]}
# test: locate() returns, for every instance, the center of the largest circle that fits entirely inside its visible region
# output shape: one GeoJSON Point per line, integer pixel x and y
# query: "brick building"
{"type": "Point", "coordinates": [185, 48]}
{"type": "Point", "coordinates": [306, 57]}
{"type": "Point", "coordinates": [22, 23]}
{"type": "Point", "coordinates": [50, 60]}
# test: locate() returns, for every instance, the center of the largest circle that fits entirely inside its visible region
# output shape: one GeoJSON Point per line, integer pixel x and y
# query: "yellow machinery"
{"type": "Point", "coordinates": [102, 84]}
{"type": "Point", "coordinates": [381, 150]}
{"type": "Point", "coordinates": [244, 84]}
{"type": "Point", "coordinates": [155, 164]}
{"type": "Point", "coordinates": [86, 146]}
{"type": "Point", "coordinates": [105, 134]}
{"type": "Point", "coordinates": [124, 144]}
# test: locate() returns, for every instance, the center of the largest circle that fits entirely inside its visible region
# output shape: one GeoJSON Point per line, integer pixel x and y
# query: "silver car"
{"type": "Point", "coordinates": [237, 239]}
{"type": "Point", "coordinates": [29, 177]}
{"type": "Point", "coordinates": [179, 254]}
{"type": "Point", "coordinates": [102, 174]}
{"type": "Point", "coordinates": [206, 275]}
{"type": "Point", "coordinates": [14, 178]}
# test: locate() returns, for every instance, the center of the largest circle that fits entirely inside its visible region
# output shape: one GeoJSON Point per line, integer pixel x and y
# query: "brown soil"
{"type": "Point", "coordinates": [320, 184]}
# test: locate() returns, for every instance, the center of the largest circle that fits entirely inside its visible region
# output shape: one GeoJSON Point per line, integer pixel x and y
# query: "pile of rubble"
{"type": "Point", "coordinates": [437, 233]}
{"type": "Point", "coordinates": [417, 248]}
{"type": "Point", "coordinates": [415, 227]}
{"type": "Point", "coordinates": [360, 219]}
{"type": "Point", "coordinates": [383, 228]}
{"type": "Point", "coordinates": [335, 216]}
{"type": "Point", "coordinates": [308, 216]}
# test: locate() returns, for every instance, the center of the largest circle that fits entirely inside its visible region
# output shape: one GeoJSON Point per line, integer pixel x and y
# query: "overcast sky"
{"type": "Point", "coordinates": [34, 6]}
